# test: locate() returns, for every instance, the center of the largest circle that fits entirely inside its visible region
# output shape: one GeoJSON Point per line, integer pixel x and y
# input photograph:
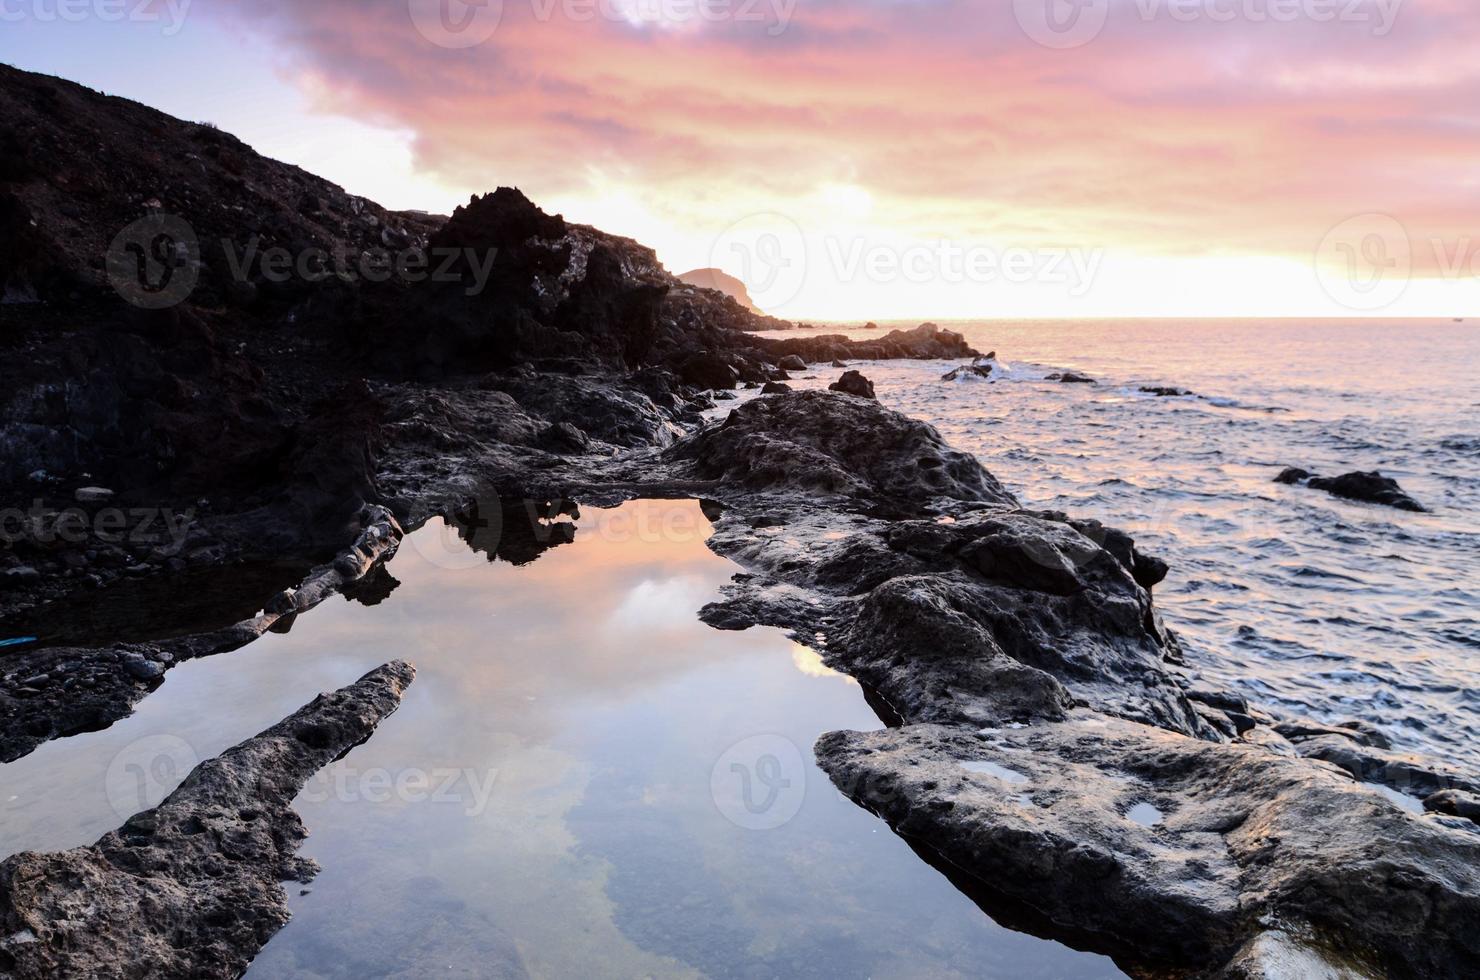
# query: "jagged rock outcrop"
{"type": "Point", "coordinates": [192, 888]}
{"type": "Point", "coordinates": [838, 444]}
{"type": "Point", "coordinates": [1047, 752]}
{"type": "Point", "coordinates": [721, 282]}
{"type": "Point", "coordinates": [855, 384]}
{"type": "Point", "coordinates": [65, 690]}
{"type": "Point", "coordinates": [1370, 488]}
{"type": "Point", "coordinates": [925, 342]}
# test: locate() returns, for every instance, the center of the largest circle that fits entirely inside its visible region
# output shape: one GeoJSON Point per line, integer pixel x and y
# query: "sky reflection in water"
{"type": "Point", "coordinates": [618, 733]}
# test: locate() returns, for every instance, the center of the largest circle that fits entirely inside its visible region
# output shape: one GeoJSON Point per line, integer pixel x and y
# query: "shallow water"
{"type": "Point", "coordinates": [584, 780]}
{"type": "Point", "coordinates": [1323, 607]}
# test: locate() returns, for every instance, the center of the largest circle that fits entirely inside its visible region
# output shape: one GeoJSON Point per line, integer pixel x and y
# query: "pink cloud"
{"type": "Point", "coordinates": [1240, 137]}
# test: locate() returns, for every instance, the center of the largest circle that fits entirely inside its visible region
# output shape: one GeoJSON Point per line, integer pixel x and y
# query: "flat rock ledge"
{"type": "Point", "coordinates": [1050, 748]}
{"type": "Point", "coordinates": [66, 691]}
{"type": "Point", "coordinates": [192, 888]}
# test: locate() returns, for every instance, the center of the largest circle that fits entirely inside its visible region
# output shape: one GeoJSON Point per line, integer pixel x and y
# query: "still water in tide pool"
{"type": "Point", "coordinates": [584, 780]}
{"type": "Point", "coordinates": [1313, 605]}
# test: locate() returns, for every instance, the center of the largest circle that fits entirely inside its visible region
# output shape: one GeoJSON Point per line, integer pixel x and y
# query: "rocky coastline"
{"type": "Point", "coordinates": [1048, 744]}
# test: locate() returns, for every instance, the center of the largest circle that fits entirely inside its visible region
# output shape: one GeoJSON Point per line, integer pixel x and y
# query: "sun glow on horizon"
{"type": "Point", "coordinates": [992, 178]}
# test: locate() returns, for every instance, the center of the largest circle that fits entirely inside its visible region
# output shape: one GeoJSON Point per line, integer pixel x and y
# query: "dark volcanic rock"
{"type": "Point", "coordinates": [1071, 378]}
{"type": "Point", "coordinates": [1050, 757]}
{"type": "Point", "coordinates": [1164, 391]}
{"type": "Point", "coordinates": [1107, 796]}
{"type": "Point", "coordinates": [853, 383]}
{"type": "Point", "coordinates": [775, 388]}
{"type": "Point", "coordinates": [1173, 853]}
{"type": "Point", "coordinates": [117, 677]}
{"type": "Point", "coordinates": [1371, 488]}
{"type": "Point", "coordinates": [192, 888]}
{"type": "Point", "coordinates": [925, 342]}
{"type": "Point", "coordinates": [838, 444]}
{"type": "Point", "coordinates": [709, 369]}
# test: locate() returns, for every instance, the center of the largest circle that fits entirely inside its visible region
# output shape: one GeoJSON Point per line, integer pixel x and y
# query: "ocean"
{"type": "Point", "coordinates": [1303, 602]}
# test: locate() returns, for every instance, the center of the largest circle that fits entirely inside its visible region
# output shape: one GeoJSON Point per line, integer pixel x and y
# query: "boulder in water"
{"type": "Point", "coordinates": [854, 383]}
{"type": "Point", "coordinates": [1371, 488]}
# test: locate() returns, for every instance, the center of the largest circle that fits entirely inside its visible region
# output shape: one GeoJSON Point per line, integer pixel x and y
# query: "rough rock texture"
{"type": "Point", "coordinates": [837, 444]}
{"type": "Point", "coordinates": [1171, 852]}
{"type": "Point", "coordinates": [1371, 488]}
{"type": "Point", "coordinates": [192, 888]}
{"type": "Point", "coordinates": [1048, 753]}
{"type": "Point", "coordinates": [855, 384]}
{"type": "Point", "coordinates": [284, 411]}
{"type": "Point", "coordinates": [59, 691]}
{"type": "Point", "coordinates": [925, 342]}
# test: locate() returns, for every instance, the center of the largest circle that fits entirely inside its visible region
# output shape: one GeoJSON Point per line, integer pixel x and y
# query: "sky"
{"type": "Point", "coordinates": [875, 159]}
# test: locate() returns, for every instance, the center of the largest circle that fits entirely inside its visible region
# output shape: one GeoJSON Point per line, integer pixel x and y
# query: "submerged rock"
{"type": "Point", "coordinates": [1165, 391]}
{"type": "Point", "coordinates": [1371, 488]}
{"type": "Point", "coordinates": [193, 887]}
{"type": "Point", "coordinates": [1071, 378]}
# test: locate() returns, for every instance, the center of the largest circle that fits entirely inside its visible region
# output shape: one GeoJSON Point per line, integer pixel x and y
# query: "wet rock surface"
{"type": "Point", "coordinates": [193, 887]}
{"type": "Point", "coordinates": [1046, 748]}
{"type": "Point", "coordinates": [855, 384]}
{"type": "Point", "coordinates": [1229, 841]}
{"type": "Point", "coordinates": [836, 443]}
{"type": "Point", "coordinates": [60, 691]}
{"type": "Point", "coordinates": [1371, 488]}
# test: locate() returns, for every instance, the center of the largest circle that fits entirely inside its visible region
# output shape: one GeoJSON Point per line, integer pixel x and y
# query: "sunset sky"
{"type": "Point", "coordinates": [877, 158]}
